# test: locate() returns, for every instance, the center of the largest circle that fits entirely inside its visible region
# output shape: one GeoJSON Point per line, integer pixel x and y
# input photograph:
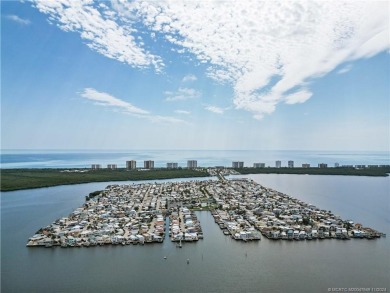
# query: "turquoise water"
{"type": "Point", "coordinates": [217, 263]}
{"type": "Point", "coordinates": [79, 159]}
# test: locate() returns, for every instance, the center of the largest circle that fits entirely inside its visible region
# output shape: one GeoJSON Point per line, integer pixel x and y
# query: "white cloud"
{"type": "Point", "coordinates": [253, 43]}
{"type": "Point", "coordinates": [101, 30]}
{"type": "Point", "coordinates": [107, 100]}
{"type": "Point", "coordinates": [298, 97]}
{"type": "Point", "coordinates": [182, 94]}
{"type": "Point", "coordinates": [104, 99]}
{"type": "Point", "coordinates": [182, 112]}
{"type": "Point", "coordinates": [345, 69]}
{"type": "Point", "coordinates": [167, 119]}
{"type": "Point", "coordinates": [215, 109]}
{"type": "Point", "coordinates": [18, 19]}
{"type": "Point", "coordinates": [264, 49]}
{"type": "Point", "coordinates": [189, 78]}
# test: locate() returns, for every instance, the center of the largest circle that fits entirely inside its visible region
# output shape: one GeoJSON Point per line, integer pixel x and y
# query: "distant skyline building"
{"type": "Point", "coordinates": [172, 165]}
{"type": "Point", "coordinates": [238, 164]}
{"type": "Point", "coordinates": [96, 166]}
{"type": "Point", "coordinates": [149, 164]}
{"type": "Point", "coordinates": [112, 166]}
{"type": "Point", "coordinates": [192, 164]}
{"type": "Point", "coordinates": [322, 165]}
{"type": "Point", "coordinates": [336, 165]}
{"type": "Point", "coordinates": [259, 165]}
{"type": "Point", "coordinates": [305, 165]}
{"type": "Point", "coordinates": [131, 165]}
{"type": "Point", "coordinates": [291, 164]}
{"type": "Point", "coordinates": [278, 164]}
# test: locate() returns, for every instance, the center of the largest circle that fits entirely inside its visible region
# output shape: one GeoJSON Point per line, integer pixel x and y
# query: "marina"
{"type": "Point", "coordinates": [243, 209]}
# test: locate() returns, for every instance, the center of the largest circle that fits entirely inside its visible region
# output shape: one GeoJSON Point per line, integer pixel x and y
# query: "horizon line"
{"type": "Point", "coordinates": [155, 149]}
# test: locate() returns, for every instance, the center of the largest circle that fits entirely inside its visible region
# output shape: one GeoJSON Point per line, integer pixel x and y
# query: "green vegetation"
{"type": "Point", "coordinates": [93, 194]}
{"type": "Point", "coordinates": [15, 179]}
{"type": "Point", "coordinates": [379, 171]}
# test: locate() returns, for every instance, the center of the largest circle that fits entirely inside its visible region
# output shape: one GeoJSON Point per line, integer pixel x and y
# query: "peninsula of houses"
{"type": "Point", "coordinates": [150, 212]}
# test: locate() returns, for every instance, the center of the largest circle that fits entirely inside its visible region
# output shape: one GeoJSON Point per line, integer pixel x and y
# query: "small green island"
{"type": "Point", "coordinates": [17, 179]}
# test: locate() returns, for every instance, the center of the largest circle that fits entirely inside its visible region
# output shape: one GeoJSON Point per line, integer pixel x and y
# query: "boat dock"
{"type": "Point", "coordinates": [184, 226]}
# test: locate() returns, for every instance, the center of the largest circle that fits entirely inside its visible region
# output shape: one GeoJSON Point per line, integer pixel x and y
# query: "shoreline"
{"type": "Point", "coordinates": [23, 178]}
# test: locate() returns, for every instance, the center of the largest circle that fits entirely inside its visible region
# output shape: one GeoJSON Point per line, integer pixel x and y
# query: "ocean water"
{"type": "Point", "coordinates": [217, 263]}
{"type": "Point", "coordinates": [82, 159]}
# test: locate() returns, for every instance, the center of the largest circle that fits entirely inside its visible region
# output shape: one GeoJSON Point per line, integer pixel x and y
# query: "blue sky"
{"type": "Point", "coordinates": [206, 75]}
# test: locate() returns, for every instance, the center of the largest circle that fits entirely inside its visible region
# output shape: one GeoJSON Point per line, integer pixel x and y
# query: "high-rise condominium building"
{"type": "Point", "coordinates": [149, 164]}
{"type": "Point", "coordinates": [130, 165]}
{"type": "Point", "coordinates": [172, 165]}
{"type": "Point", "coordinates": [238, 164]}
{"type": "Point", "coordinates": [259, 165]}
{"type": "Point", "coordinates": [192, 164]}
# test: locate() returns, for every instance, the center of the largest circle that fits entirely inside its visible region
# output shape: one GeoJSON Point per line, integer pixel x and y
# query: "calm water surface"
{"type": "Point", "coordinates": [217, 263]}
{"type": "Point", "coordinates": [205, 158]}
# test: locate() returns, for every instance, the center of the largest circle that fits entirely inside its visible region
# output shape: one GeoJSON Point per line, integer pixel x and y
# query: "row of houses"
{"type": "Point", "coordinates": [126, 214]}
{"type": "Point", "coordinates": [245, 206]}
{"type": "Point", "coordinates": [184, 225]}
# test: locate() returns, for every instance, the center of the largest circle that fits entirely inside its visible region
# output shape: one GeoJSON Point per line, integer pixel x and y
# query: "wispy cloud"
{"type": "Point", "coordinates": [345, 69]}
{"type": "Point", "coordinates": [118, 105]}
{"type": "Point", "coordinates": [251, 44]}
{"type": "Point", "coordinates": [100, 27]}
{"type": "Point", "coordinates": [214, 109]}
{"type": "Point", "coordinates": [248, 45]}
{"type": "Point", "coordinates": [189, 78]}
{"type": "Point", "coordinates": [104, 99]}
{"type": "Point", "coordinates": [182, 112]}
{"type": "Point", "coordinates": [298, 97]}
{"type": "Point", "coordinates": [182, 94]}
{"type": "Point", "coordinates": [18, 19]}
{"type": "Point", "coordinates": [167, 119]}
